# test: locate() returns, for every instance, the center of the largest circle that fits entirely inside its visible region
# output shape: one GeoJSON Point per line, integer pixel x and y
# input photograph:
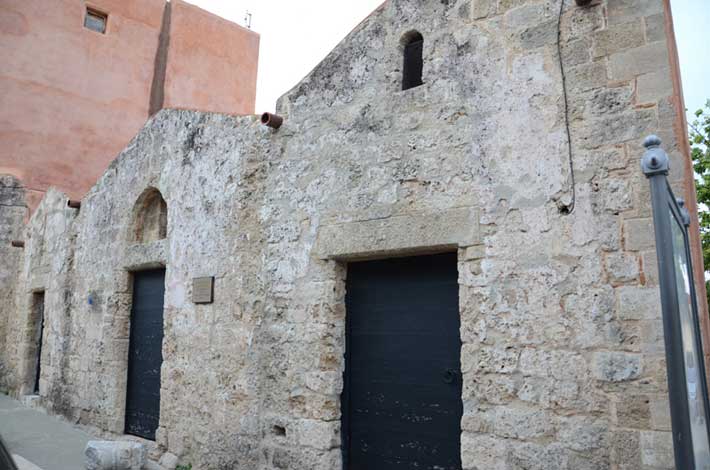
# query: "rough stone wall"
{"type": "Point", "coordinates": [45, 267]}
{"type": "Point", "coordinates": [13, 211]}
{"type": "Point", "coordinates": [562, 357]}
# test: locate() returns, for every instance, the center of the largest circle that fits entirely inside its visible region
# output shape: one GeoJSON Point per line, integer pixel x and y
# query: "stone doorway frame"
{"type": "Point", "coordinates": [137, 258]}
{"type": "Point", "coordinates": [411, 234]}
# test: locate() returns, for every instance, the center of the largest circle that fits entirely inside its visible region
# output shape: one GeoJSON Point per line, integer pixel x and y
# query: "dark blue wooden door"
{"type": "Point", "coordinates": [145, 354]}
{"type": "Point", "coordinates": [401, 406]}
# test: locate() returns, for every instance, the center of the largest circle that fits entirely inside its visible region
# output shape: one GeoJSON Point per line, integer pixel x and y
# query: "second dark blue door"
{"type": "Point", "coordinates": [145, 356]}
{"type": "Point", "coordinates": [401, 406]}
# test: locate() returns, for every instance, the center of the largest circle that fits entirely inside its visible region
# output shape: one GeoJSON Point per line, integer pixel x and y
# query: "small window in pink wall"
{"type": "Point", "coordinates": [95, 20]}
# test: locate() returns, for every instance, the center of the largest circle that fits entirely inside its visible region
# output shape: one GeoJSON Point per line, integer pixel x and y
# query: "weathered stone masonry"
{"type": "Point", "coordinates": [562, 358]}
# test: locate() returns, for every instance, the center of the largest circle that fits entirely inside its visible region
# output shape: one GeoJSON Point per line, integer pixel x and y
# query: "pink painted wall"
{"type": "Point", "coordinates": [212, 63]}
{"type": "Point", "coordinates": [71, 98]}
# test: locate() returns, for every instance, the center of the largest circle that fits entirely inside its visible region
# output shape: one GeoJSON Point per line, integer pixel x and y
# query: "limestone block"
{"type": "Point", "coordinates": [614, 195]}
{"type": "Point", "coordinates": [474, 252]}
{"type": "Point", "coordinates": [655, 27]}
{"type": "Point", "coordinates": [649, 264]}
{"type": "Point", "coordinates": [653, 87]}
{"type": "Point", "coordinates": [522, 423]}
{"type": "Point", "coordinates": [621, 267]}
{"type": "Point", "coordinates": [634, 411]}
{"type": "Point", "coordinates": [114, 455]}
{"type": "Point", "coordinates": [652, 336]}
{"type": "Point", "coordinates": [550, 394]}
{"type": "Point", "coordinates": [539, 35]}
{"type": "Point", "coordinates": [637, 61]}
{"type": "Point", "coordinates": [524, 16]}
{"type": "Point", "coordinates": [148, 255]}
{"type": "Point", "coordinates": [624, 126]}
{"type": "Point", "coordinates": [639, 234]}
{"type": "Point", "coordinates": [150, 465]}
{"type": "Point", "coordinates": [657, 449]}
{"type": "Point", "coordinates": [488, 359]}
{"type": "Point", "coordinates": [32, 401]}
{"type": "Point", "coordinates": [537, 456]}
{"type": "Point", "coordinates": [616, 366]}
{"type": "Point", "coordinates": [318, 434]}
{"type": "Point", "coordinates": [562, 365]}
{"type": "Point", "coordinates": [483, 451]}
{"type": "Point", "coordinates": [576, 52]}
{"type": "Point", "coordinates": [660, 413]}
{"type": "Point", "coordinates": [638, 303]}
{"type": "Point", "coordinates": [606, 101]}
{"type": "Point", "coordinates": [625, 448]}
{"type": "Point", "coordinates": [587, 76]}
{"type": "Point", "coordinates": [24, 464]}
{"type": "Point", "coordinates": [623, 11]}
{"type": "Point", "coordinates": [326, 382]}
{"type": "Point", "coordinates": [583, 434]}
{"type": "Point", "coordinates": [618, 38]}
{"type": "Point", "coordinates": [491, 388]}
{"type": "Point", "coordinates": [482, 8]}
{"type": "Point", "coordinates": [407, 233]}
{"type": "Point", "coordinates": [611, 158]}
{"type": "Point", "coordinates": [169, 461]}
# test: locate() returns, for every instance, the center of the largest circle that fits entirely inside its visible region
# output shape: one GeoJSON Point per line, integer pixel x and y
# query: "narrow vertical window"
{"type": "Point", "coordinates": [413, 61]}
{"type": "Point", "coordinates": [95, 20]}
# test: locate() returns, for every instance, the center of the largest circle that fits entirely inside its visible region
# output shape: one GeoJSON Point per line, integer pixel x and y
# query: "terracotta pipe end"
{"type": "Point", "coordinates": [272, 120]}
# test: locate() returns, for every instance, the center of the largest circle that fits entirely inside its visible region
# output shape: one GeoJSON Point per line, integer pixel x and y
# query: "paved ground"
{"type": "Point", "coordinates": [44, 440]}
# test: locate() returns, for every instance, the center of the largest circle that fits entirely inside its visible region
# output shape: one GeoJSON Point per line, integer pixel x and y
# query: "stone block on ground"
{"type": "Point", "coordinates": [115, 455]}
{"type": "Point", "coordinates": [24, 464]}
{"type": "Point", "coordinates": [150, 465]}
{"type": "Point", "coordinates": [169, 461]}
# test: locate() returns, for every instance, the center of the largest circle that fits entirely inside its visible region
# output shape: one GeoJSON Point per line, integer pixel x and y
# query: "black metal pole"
{"type": "Point", "coordinates": [655, 166]}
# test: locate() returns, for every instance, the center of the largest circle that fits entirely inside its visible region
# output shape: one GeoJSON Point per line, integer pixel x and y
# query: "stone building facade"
{"type": "Point", "coordinates": [522, 161]}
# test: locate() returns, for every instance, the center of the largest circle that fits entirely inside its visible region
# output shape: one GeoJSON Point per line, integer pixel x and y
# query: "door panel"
{"type": "Point", "coordinates": [402, 404]}
{"type": "Point", "coordinates": [38, 316]}
{"type": "Point", "coordinates": [145, 355]}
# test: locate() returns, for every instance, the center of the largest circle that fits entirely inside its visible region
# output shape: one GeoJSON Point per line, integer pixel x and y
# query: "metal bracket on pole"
{"type": "Point", "coordinates": [683, 211]}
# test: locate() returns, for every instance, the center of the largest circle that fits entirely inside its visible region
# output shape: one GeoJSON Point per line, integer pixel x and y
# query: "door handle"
{"type": "Point", "coordinates": [450, 376]}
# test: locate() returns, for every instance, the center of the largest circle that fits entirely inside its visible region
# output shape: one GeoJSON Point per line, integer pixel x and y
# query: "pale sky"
{"type": "Point", "coordinates": [691, 20]}
{"type": "Point", "coordinates": [297, 34]}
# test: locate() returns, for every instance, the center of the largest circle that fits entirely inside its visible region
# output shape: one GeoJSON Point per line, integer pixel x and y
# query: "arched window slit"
{"type": "Point", "coordinates": [413, 60]}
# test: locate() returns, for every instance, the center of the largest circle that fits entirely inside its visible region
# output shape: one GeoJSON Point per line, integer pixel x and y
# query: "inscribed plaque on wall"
{"type": "Point", "coordinates": [202, 290]}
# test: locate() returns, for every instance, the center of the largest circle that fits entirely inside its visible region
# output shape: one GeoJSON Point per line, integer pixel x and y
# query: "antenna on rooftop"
{"type": "Point", "coordinates": [247, 19]}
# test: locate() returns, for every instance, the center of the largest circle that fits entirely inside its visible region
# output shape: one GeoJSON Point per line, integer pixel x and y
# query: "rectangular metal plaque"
{"type": "Point", "coordinates": [203, 290]}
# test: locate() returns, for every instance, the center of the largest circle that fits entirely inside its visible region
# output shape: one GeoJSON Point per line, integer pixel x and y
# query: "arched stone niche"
{"type": "Point", "coordinates": [150, 217]}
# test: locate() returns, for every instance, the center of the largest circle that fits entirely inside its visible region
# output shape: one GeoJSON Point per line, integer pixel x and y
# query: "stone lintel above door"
{"type": "Point", "coordinates": [399, 235]}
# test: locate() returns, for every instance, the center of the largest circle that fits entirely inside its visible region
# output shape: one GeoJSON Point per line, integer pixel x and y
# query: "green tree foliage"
{"type": "Point", "coordinates": [700, 151]}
